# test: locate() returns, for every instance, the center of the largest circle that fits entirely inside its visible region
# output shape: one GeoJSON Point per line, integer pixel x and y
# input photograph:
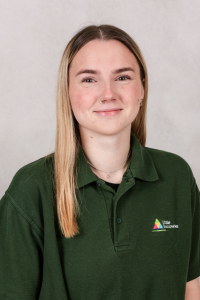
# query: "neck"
{"type": "Point", "coordinates": [106, 153]}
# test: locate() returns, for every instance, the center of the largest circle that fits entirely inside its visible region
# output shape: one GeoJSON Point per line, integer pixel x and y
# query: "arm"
{"type": "Point", "coordinates": [21, 253]}
{"type": "Point", "coordinates": [192, 290]}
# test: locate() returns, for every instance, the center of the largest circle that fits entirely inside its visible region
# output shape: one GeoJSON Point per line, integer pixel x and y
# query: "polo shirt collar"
{"type": "Point", "coordinates": [141, 165]}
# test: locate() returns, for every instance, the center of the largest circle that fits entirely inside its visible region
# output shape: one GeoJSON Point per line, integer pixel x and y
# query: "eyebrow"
{"type": "Point", "coordinates": [113, 72]}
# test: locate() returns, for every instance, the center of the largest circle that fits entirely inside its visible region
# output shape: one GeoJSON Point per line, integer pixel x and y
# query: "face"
{"type": "Point", "coordinates": [95, 74]}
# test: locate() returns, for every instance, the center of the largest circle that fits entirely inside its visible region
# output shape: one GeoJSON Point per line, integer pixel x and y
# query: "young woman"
{"type": "Point", "coordinates": [103, 217]}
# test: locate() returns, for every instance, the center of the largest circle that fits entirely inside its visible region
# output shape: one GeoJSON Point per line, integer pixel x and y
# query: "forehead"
{"type": "Point", "coordinates": [104, 54]}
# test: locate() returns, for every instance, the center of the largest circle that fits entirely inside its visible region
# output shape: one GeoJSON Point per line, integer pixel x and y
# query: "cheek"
{"type": "Point", "coordinates": [132, 94]}
{"type": "Point", "coordinates": [80, 102]}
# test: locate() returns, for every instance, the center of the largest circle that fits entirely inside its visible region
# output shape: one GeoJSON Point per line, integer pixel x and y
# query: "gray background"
{"type": "Point", "coordinates": [34, 35]}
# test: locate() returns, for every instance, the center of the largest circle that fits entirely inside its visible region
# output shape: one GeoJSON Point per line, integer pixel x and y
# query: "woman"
{"type": "Point", "coordinates": [103, 217]}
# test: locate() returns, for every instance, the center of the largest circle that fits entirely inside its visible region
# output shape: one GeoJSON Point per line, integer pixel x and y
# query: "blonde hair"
{"type": "Point", "coordinates": [67, 131]}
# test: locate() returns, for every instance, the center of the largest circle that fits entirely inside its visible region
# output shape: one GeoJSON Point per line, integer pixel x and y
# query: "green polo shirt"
{"type": "Point", "coordinates": [140, 242]}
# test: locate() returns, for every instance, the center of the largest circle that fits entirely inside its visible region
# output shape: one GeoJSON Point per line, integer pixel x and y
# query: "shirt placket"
{"type": "Point", "coordinates": [117, 219]}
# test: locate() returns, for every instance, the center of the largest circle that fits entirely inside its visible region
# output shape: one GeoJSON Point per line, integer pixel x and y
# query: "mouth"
{"type": "Point", "coordinates": [109, 112]}
{"type": "Point", "coordinates": [110, 109]}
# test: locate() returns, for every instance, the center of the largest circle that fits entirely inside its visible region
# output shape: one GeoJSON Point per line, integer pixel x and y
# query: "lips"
{"type": "Point", "coordinates": [110, 109]}
{"type": "Point", "coordinates": [109, 112]}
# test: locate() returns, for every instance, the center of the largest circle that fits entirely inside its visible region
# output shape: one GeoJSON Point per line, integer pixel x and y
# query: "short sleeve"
{"type": "Point", "coordinates": [194, 259]}
{"type": "Point", "coordinates": [21, 253]}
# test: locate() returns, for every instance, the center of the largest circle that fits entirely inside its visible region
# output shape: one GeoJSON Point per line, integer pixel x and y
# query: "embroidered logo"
{"type": "Point", "coordinates": [162, 227]}
{"type": "Point", "coordinates": [158, 226]}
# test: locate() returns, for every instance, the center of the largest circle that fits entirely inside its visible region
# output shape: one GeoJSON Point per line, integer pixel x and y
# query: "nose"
{"type": "Point", "coordinates": [108, 92]}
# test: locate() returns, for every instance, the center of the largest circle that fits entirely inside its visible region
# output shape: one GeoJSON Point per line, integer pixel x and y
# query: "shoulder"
{"type": "Point", "coordinates": [31, 189]}
{"type": "Point", "coordinates": [36, 173]}
{"type": "Point", "coordinates": [172, 164]}
{"type": "Point", "coordinates": [166, 156]}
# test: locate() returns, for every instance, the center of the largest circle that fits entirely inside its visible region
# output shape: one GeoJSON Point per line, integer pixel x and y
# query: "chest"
{"type": "Point", "coordinates": [141, 232]}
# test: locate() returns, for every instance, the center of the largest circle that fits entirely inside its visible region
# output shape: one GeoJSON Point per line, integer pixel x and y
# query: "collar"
{"type": "Point", "coordinates": [141, 165]}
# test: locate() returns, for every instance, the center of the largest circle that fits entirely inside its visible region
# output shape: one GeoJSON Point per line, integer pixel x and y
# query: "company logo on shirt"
{"type": "Point", "coordinates": [162, 227]}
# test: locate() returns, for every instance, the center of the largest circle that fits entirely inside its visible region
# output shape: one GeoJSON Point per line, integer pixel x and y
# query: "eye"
{"type": "Point", "coordinates": [86, 79]}
{"type": "Point", "coordinates": [124, 76]}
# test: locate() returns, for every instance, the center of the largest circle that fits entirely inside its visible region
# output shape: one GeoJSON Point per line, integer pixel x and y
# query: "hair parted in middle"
{"type": "Point", "coordinates": [67, 129]}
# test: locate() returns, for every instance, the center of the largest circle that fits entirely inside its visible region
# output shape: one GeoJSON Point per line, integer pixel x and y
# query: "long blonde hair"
{"type": "Point", "coordinates": [67, 131]}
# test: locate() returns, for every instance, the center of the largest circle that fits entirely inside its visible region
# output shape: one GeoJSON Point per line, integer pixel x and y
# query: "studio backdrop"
{"type": "Point", "coordinates": [34, 35]}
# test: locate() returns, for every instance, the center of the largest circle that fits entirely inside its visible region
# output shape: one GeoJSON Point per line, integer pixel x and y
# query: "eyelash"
{"type": "Point", "coordinates": [125, 76]}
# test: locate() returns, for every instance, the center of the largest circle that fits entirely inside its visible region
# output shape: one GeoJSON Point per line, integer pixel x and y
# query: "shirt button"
{"type": "Point", "coordinates": [119, 220]}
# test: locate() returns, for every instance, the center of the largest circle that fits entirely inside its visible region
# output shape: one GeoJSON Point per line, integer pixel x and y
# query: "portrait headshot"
{"type": "Point", "coordinates": [100, 139]}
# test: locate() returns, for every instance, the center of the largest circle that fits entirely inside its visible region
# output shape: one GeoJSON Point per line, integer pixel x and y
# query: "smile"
{"type": "Point", "coordinates": [108, 113]}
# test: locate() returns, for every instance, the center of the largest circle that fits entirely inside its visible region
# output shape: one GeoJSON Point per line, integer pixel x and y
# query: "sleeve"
{"type": "Point", "coordinates": [21, 253]}
{"type": "Point", "coordinates": [194, 259]}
